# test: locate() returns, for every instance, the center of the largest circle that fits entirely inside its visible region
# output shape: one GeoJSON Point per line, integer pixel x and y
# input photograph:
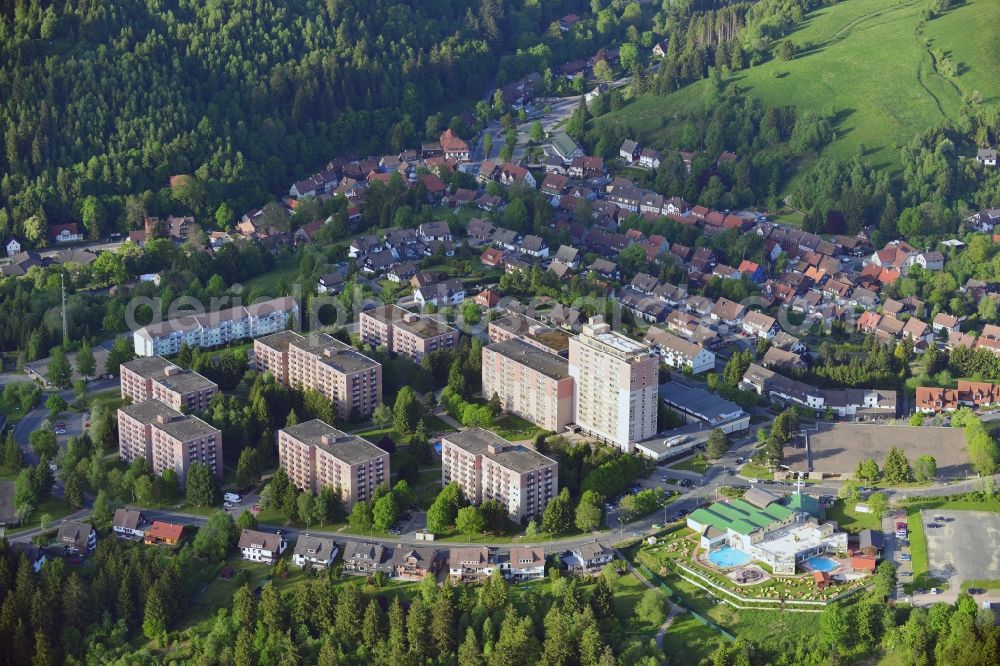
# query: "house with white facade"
{"type": "Point", "coordinates": [760, 325]}
{"type": "Point", "coordinates": [680, 353]}
{"type": "Point", "coordinates": [129, 524]}
{"type": "Point", "coordinates": [314, 551]}
{"type": "Point", "coordinates": [264, 547]}
{"type": "Point", "coordinates": [526, 564]}
{"type": "Point", "coordinates": [13, 247]}
{"type": "Point", "coordinates": [449, 292]}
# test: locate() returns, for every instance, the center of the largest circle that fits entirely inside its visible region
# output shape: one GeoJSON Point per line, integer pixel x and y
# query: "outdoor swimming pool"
{"type": "Point", "coordinates": [824, 564]}
{"type": "Point", "coordinates": [728, 557]}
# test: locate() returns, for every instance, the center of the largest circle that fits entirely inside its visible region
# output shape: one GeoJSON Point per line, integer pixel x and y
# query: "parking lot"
{"type": "Point", "coordinates": [838, 448]}
{"type": "Point", "coordinates": [965, 547]}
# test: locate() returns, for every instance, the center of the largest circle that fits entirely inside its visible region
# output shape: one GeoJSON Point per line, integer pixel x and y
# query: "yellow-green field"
{"type": "Point", "coordinates": [866, 62]}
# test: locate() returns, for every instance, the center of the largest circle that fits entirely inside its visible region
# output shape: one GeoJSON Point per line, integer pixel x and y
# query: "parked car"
{"type": "Point", "coordinates": [739, 461]}
{"type": "Point", "coordinates": [935, 590]}
{"type": "Point", "coordinates": [904, 557]}
{"type": "Point", "coordinates": [939, 519]}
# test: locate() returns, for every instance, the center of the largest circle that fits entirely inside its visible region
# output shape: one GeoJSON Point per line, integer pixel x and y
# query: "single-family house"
{"type": "Point", "coordinates": [760, 325]}
{"type": "Point", "coordinates": [534, 246]}
{"type": "Point", "coordinates": [162, 532]}
{"type": "Point", "coordinates": [454, 147]}
{"type": "Point", "coordinates": [945, 322]}
{"type": "Point", "coordinates": [526, 563]}
{"type": "Point", "coordinates": [492, 257]}
{"type": "Point", "coordinates": [752, 270]}
{"type": "Point", "coordinates": [129, 524]}
{"type": "Point", "coordinates": [330, 283]}
{"type": "Point", "coordinates": [449, 292]}
{"type": "Point", "coordinates": [409, 563]}
{"type": "Point", "coordinates": [65, 233]}
{"type": "Point", "coordinates": [471, 564]}
{"type": "Point", "coordinates": [588, 557]}
{"type": "Point", "coordinates": [987, 156]}
{"type": "Point", "coordinates": [13, 246]}
{"type": "Point", "coordinates": [728, 312]}
{"type": "Point", "coordinates": [76, 538]}
{"type": "Point", "coordinates": [649, 158]}
{"type": "Point", "coordinates": [265, 547]}
{"type": "Point", "coordinates": [361, 557]}
{"type": "Point", "coordinates": [317, 552]}
{"type": "Point", "coordinates": [434, 231]}
{"type": "Point", "coordinates": [629, 151]}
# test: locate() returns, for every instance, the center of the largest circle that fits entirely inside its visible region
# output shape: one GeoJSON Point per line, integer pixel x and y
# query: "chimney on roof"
{"type": "Point", "coordinates": [164, 418]}
{"type": "Point", "coordinates": [328, 439]}
{"type": "Point", "coordinates": [409, 318]}
{"type": "Point", "coordinates": [495, 448]}
{"type": "Point", "coordinates": [172, 370]}
{"type": "Point", "coordinates": [536, 329]}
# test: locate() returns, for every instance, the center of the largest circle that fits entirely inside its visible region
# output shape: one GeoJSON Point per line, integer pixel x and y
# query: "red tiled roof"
{"type": "Point", "coordinates": [163, 530]}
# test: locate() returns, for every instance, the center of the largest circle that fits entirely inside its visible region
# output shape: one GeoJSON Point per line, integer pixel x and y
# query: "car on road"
{"type": "Point", "coordinates": [393, 531]}
{"type": "Point", "coordinates": [904, 557]}
{"type": "Point", "coordinates": [228, 505]}
{"type": "Point", "coordinates": [905, 573]}
{"type": "Point", "coordinates": [685, 483]}
{"type": "Point", "coordinates": [935, 590]}
{"type": "Point", "coordinates": [739, 461]}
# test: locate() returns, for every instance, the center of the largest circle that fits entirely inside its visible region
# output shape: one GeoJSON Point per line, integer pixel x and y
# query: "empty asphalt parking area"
{"type": "Point", "coordinates": [965, 548]}
{"type": "Point", "coordinates": [838, 448]}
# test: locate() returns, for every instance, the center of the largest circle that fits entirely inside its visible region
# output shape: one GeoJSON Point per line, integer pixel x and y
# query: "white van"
{"type": "Point", "coordinates": [232, 497]}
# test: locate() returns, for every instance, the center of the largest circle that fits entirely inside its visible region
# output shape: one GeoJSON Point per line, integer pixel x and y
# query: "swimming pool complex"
{"type": "Point", "coordinates": [728, 556]}
{"type": "Point", "coordinates": [824, 564]}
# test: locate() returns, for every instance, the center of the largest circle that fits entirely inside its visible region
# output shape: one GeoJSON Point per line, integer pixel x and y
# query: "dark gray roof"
{"type": "Point", "coordinates": [351, 449]}
{"type": "Point", "coordinates": [315, 547]}
{"type": "Point", "coordinates": [550, 365]}
{"type": "Point", "coordinates": [513, 456]}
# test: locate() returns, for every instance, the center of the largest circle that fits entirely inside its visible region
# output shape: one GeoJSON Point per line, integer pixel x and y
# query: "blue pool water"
{"type": "Point", "coordinates": [821, 564]}
{"type": "Point", "coordinates": [728, 557]}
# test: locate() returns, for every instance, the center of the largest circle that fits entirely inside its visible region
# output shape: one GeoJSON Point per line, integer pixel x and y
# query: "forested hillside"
{"type": "Point", "coordinates": [101, 102]}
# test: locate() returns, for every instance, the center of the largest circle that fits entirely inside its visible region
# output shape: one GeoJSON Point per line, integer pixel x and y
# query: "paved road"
{"type": "Point", "coordinates": [32, 421]}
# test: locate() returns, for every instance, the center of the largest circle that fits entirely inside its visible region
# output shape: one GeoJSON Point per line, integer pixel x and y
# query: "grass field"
{"type": "Point", "coordinates": [864, 62]}
{"type": "Point", "coordinates": [695, 463]}
{"type": "Point", "coordinates": [850, 520]}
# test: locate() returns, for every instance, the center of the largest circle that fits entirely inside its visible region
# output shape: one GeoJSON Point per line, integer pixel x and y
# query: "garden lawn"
{"type": "Point", "coordinates": [56, 509]}
{"type": "Point", "coordinates": [514, 428]}
{"type": "Point", "coordinates": [689, 642]}
{"type": "Point", "coordinates": [850, 520]}
{"type": "Point", "coordinates": [754, 471]}
{"type": "Point", "coordinates": [695, 463]}
{"type": "Point", "coordinates": [286, 270]}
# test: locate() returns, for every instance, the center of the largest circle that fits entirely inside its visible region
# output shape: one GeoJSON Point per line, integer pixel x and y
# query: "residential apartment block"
{"type": "Point", "coordinates": [351, 380]}
{"type": "Point", "coordinates": [406, 333]}
{"type": "Point", "coordinates": [156, 378]}
{"type": "Point", "coordinates": [212, 329]}
{"type": "Point", "coordinates": [167, 439]}
{"type": "Point", "coordinates": [316, 455]}
{"type": "Point", "coordinates": [532, 331]}
{"type": "Point", "coordinates": [486, 466]}
{"type": "Point", "coordinates": [530, 383]}
{"type": "Point", "coordinates": [616, 381]}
